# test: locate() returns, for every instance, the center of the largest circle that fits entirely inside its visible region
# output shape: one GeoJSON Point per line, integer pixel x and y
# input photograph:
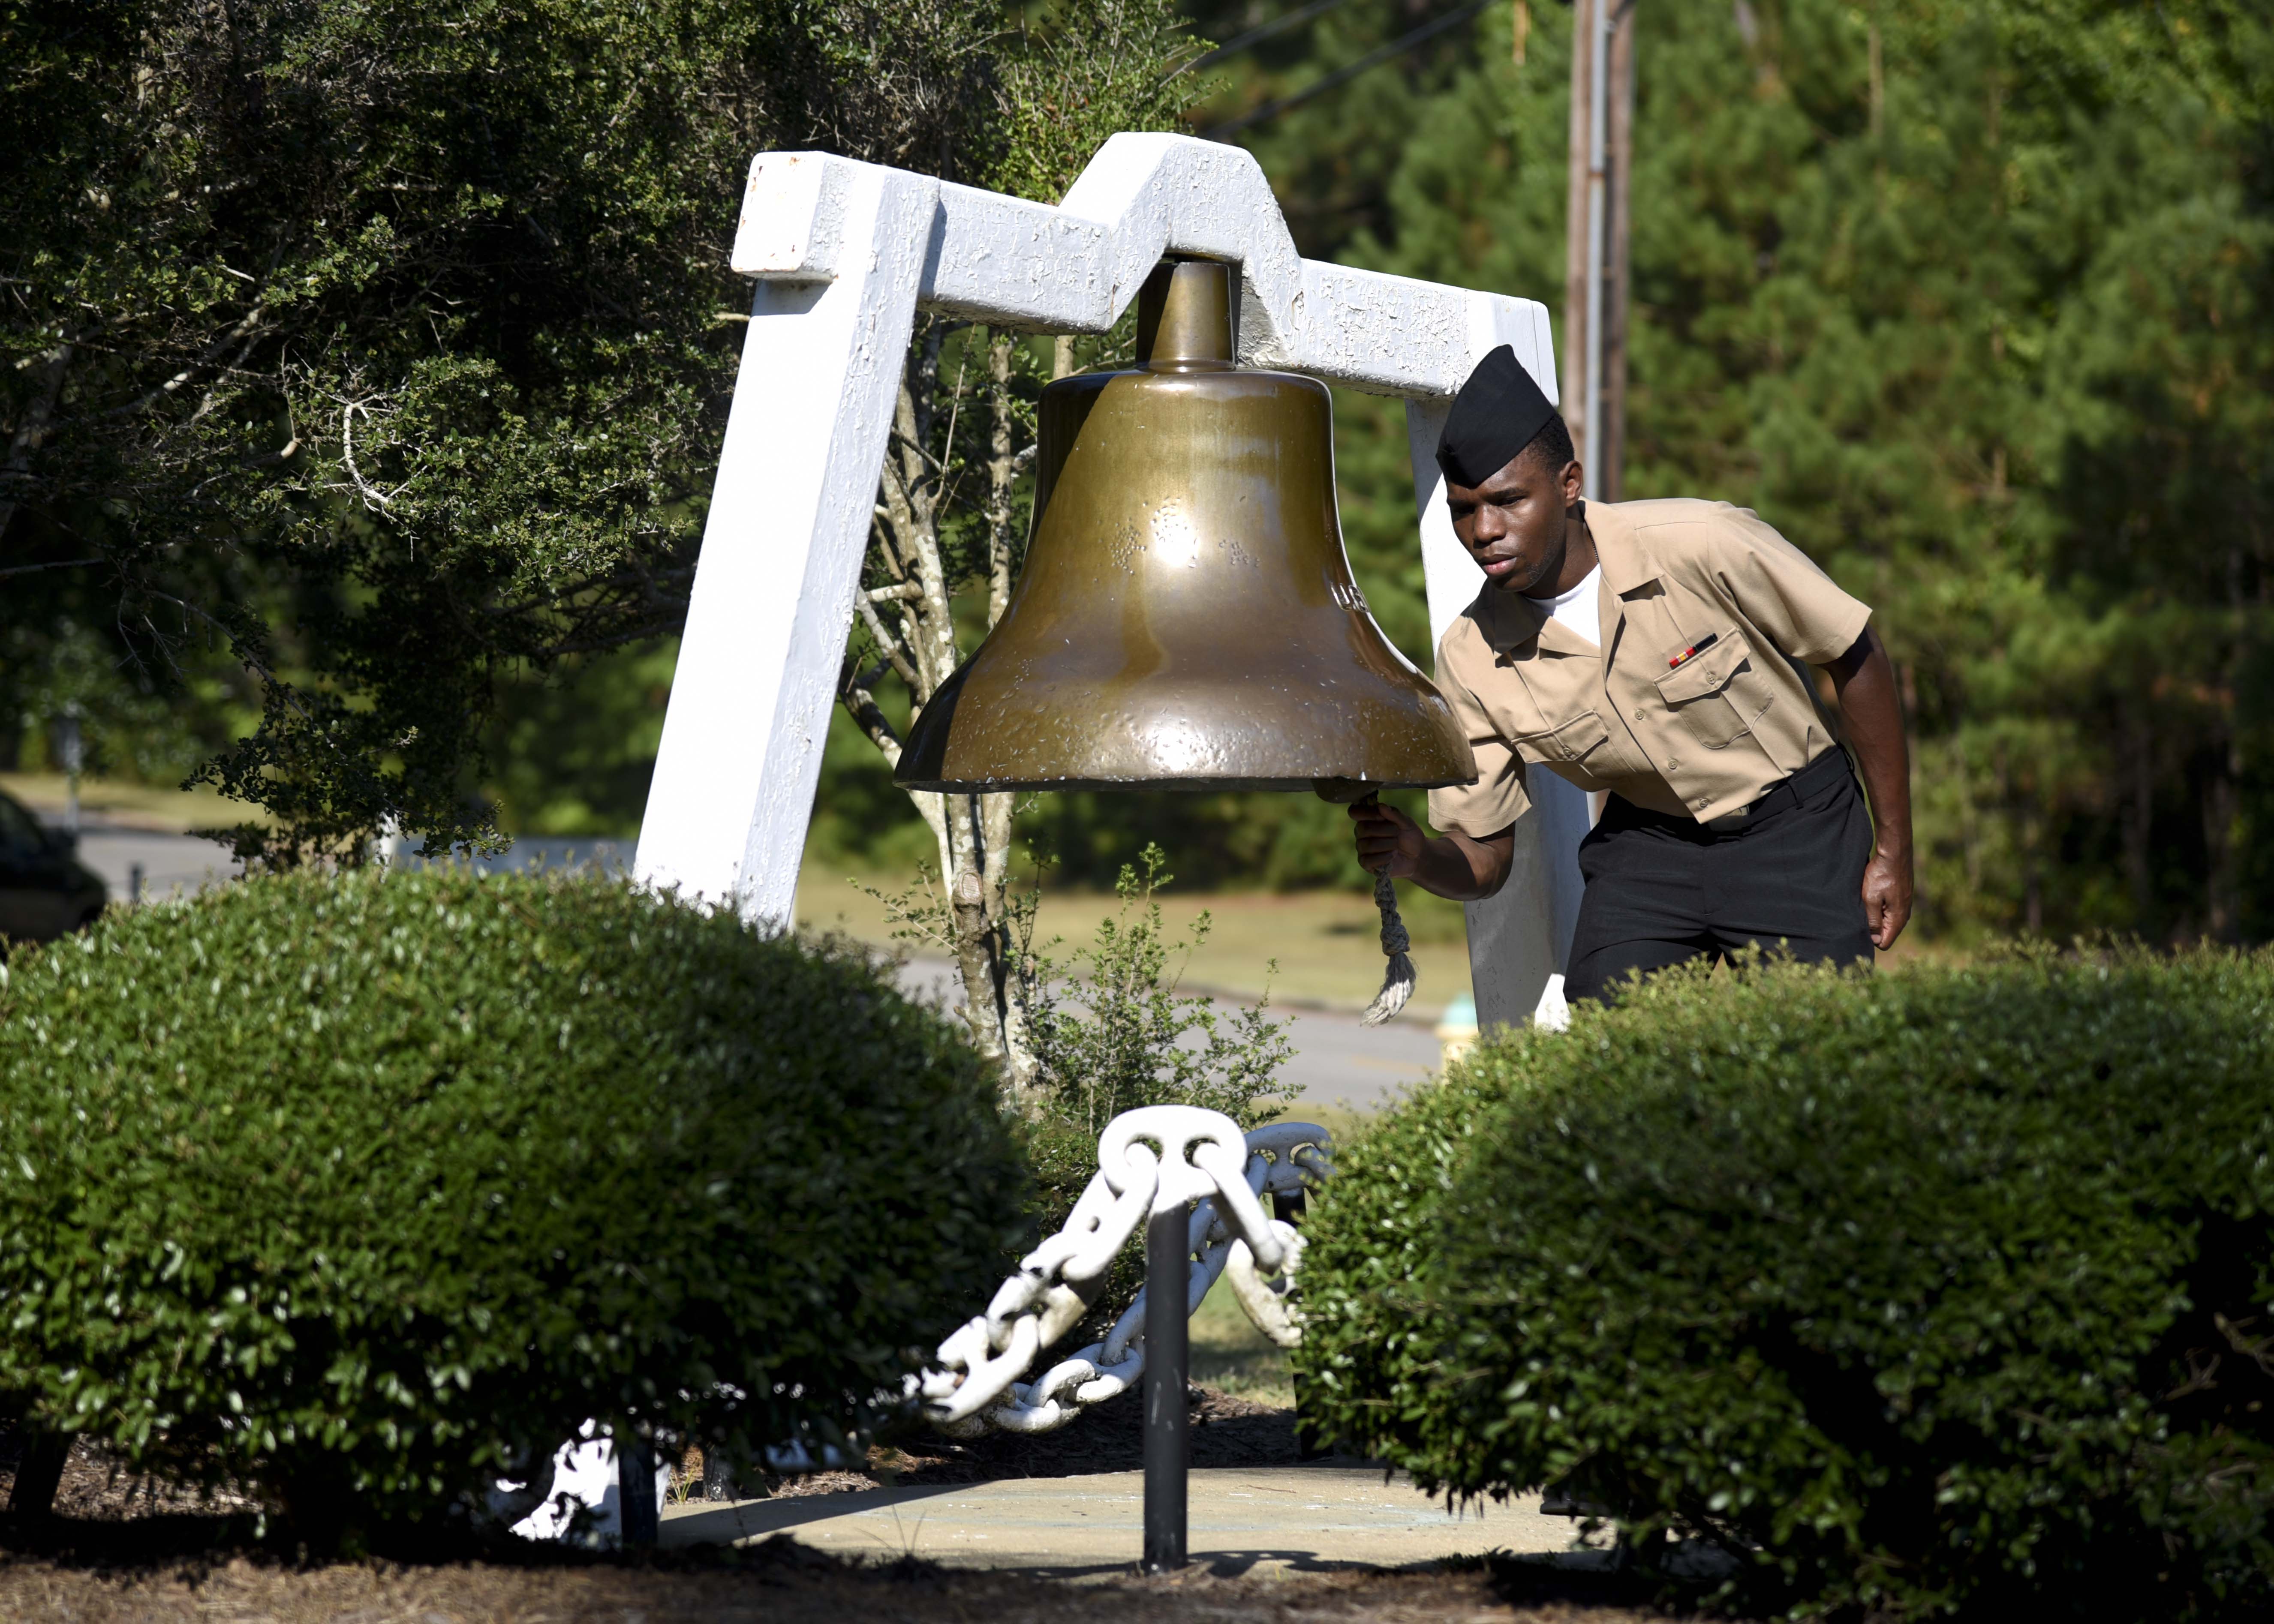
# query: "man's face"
{"type": "Point", "coordinates": [1512, 524]}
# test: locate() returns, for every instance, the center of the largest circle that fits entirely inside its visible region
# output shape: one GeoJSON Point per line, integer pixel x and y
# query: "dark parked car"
{"type": "Point", "coordinates": [45, 891]}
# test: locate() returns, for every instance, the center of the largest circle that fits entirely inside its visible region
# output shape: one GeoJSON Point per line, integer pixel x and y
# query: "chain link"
{"type": "Point", "coordinates": [975, 1387]}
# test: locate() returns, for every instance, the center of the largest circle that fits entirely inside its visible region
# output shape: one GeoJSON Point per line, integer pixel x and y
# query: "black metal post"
{"type": "Point", "coordinates": [38, 1474]}
{"type": "Point", "coordinates": [1289, 1209]}
{"type": "Point", "coordinates": [641, 1517]}
{"type": "Point", "coordinates": [1167, 1357]}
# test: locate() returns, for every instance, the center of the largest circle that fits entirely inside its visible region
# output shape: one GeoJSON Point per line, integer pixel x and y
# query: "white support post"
{"type": "Point", "coordinates": [789, 518]}
{"type": "Point", "coordinates": [845, 253]}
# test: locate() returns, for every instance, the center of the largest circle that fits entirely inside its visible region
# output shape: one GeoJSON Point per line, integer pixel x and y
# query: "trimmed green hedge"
{"type": "Point", "coordinates": [357, 1186]}
{"type": "Point", "coordinates": [1915, 1291]}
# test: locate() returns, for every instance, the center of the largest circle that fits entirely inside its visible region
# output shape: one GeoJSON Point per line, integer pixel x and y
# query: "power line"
{"type": "Point", "coordinates": [1256, 36]}
{"type": "Point", "coordinates": [1343, 76]}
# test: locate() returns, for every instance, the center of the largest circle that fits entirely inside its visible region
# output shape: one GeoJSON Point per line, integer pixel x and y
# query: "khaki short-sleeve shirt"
{"type": "Point", "coordinates": [1703, 735]}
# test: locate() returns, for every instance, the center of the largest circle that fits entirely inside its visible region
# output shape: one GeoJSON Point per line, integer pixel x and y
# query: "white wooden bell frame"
{"type": "Point", "coordinates": [844, 254]}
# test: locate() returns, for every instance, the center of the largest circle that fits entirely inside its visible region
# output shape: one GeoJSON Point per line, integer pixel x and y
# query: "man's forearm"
{"type": "Point", "coordinates": [1874, 719]}
{"type": "Point", "coordinates": [1887, 781]}
{"type": "Point", "coordinates": [1462, 869]}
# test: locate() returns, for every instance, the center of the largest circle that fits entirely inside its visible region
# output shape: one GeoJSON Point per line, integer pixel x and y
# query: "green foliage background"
{"type": "Point", "coordinates": [361, 360]}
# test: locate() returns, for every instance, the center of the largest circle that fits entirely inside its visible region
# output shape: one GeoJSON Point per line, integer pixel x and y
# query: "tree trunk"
{"type": "Point", "coordinates": [32, 429]}
{"type": "Point", "coordinates": [1611, 455]}
{"type": "Point", "coordinates": [1969, 830]}
{"type": "Point", "coordinates": [2138, 822]}
{"type": "Point", "coordinates": [2033, 889]}
{"type": "Point", "coordinates": [2220, 806]}
{"type": "Point", "coordinates": [1596, 362]}
{"type": "Point", "coordinates": [38, 1474]}
{"type": "Point", "coordinates": [972, 833]}
{"type": "Point", "coordinates": [1576, 339]}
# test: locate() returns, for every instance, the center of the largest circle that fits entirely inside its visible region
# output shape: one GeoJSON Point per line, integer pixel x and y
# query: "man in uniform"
{"type": "Point", "coordinates": [1656, 652]}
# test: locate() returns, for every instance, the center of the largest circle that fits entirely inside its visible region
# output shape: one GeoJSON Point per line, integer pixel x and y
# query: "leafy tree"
{"type": "Point", "coordinates": [1973, 302]}
{"type": "Point", "coordinates": [1333, 154]}
{"type": "Point", "coordinates": [382, 350]}
{"type": "Point", "coordinates": [377, 350]}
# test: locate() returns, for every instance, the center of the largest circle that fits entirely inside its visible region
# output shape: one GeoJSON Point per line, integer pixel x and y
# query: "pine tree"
{"type": "Point", "coordinates": [1973, 303]}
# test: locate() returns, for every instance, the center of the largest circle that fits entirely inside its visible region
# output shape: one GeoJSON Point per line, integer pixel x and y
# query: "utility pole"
{"type": "Point", "coordinates": [1595, 276]}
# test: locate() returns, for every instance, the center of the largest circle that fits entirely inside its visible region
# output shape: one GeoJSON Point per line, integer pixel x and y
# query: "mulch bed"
{"type": "Point", "coordinates": [778, 1581]}
{"type": "Point", "coordinates": [95, 1488]}
{"type": "Point", "coordinates": [122, 1550]}
{"type": "Point", "coordinates": [1225, 1431]}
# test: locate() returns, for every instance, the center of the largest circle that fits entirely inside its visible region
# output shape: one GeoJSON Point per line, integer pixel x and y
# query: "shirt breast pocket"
{"type": "Point", "coordinates": [1717, 694]}
{"type": "Point", "coordinates": [1567, 745]}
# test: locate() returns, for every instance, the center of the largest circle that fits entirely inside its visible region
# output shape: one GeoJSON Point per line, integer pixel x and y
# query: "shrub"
{"type": "Point", "coordinates": [360, 1187]}
{"type": "Point", "coordinates": [1112, 1033]}
{"type": "Point", "coordinates": [1914, 1291]}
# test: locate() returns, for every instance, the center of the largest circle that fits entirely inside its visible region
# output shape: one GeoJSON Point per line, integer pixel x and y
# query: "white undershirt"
{"type": "Point", "coordinates": [1580, 609]}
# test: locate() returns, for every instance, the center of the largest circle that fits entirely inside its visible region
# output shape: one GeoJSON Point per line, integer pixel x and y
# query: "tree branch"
{"type": "Point", "coordinates": [890, 647]}
{"type": "Point", "coordinates": [152, 396]}
{"type": "Point", "coordinates": [30, 569]}
{"type": "Point", "coordinates": [854, 693]}
{"type": "Point", "coordinates": [1002, 475]}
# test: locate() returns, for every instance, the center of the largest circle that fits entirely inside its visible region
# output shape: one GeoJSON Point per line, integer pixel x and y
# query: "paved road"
{"type": "Point", "coordinates": [1270, 1519]}
{"type": "Point", "coordinates": [1338, 1062]}
{"type": "Point", "coordinates": [170, 863]}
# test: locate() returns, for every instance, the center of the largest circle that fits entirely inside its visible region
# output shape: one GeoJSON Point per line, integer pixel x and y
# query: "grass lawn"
{"type": "Point", "coordinates": [1325, 943]}
{"type": "Point", "coordinates": [161, 808]}
{"type": "Point", "coordinates": [1229, 1353]}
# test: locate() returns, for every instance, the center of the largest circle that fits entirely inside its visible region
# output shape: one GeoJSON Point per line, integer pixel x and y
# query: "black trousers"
{"type": "Point", "coordinates": [1662, 890]}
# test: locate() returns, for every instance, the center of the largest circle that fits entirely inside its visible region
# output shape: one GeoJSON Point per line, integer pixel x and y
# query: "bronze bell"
{"type": "Point", "coordinates": [1186, 617]}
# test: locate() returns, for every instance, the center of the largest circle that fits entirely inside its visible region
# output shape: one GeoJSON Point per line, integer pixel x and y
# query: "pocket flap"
{"type": "Point", "coordinates": [1702, 674]}
{"type": "Point", "coordinates": [1569, 742]}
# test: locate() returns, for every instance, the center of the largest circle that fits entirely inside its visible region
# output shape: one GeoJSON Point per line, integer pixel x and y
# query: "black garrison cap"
{"type": "Point", "coordinates": [1493, 416]}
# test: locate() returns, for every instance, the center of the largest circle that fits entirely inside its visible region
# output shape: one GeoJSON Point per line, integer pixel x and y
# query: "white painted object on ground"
{"type": "Point", "coordinates": [584, 1481]}
{"type": "Point", "coordinates": [844, 254]}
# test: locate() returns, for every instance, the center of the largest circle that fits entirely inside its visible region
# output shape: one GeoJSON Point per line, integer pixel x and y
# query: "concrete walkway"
{"type": "Point", "coordinates": [1270, 1519]}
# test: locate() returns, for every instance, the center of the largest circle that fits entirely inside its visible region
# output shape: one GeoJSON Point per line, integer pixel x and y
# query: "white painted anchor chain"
{"type": "Point", "coordinates": [975, 1386]}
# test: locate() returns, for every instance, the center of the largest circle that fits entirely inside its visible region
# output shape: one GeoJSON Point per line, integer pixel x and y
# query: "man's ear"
{"type": "Point", "coordinates": [1575, 481]}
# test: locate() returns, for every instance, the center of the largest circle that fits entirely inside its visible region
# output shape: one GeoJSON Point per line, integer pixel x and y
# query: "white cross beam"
{"type": "Point", "coordinates": [844, 253]}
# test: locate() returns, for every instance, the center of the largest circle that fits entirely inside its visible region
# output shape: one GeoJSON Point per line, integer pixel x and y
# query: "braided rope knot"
{"type": "Point", "coordinates": [1394, 939]}
{"type": "Point", "coordinates": [1204, 1161]}
{"type": "Point", "coordinates": [1398, 977]}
